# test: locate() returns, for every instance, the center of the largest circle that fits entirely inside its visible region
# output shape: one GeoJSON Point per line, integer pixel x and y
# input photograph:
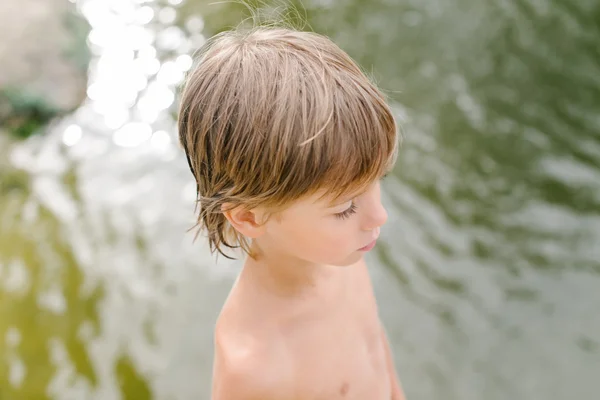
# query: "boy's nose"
{"type": "Point", "coordinates": [376, 218]}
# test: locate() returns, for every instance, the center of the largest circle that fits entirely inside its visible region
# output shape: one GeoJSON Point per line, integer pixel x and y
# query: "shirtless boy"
{"type": "Point", "coordinates": [288, 140]}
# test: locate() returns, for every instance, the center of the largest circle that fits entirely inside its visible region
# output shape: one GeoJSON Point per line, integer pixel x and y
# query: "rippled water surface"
{"type": "Point", "coordinates": [488, 274]}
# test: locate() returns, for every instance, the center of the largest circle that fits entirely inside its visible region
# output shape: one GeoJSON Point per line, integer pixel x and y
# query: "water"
{"type": "Point", "coordinates": [488, 274]}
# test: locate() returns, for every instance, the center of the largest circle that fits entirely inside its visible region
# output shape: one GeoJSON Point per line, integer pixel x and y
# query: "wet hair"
{"type": "Point", "coordinates": [271, 115]}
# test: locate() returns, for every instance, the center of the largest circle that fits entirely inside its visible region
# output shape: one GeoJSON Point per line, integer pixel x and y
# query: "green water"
{"type": "Point", "coordinates": [488, 274]}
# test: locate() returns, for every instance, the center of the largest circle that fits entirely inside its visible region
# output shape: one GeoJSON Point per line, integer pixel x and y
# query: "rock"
{"type": "Point", "coordinates": [44, 62]}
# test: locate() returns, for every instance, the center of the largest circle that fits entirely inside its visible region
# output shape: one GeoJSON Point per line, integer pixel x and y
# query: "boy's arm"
{"type": "Point", "coordinates": [240, 373]}
{"type": "Point", "coordinates": [397, 393]}
{"type": "Point", "coordinates": [243, 385]}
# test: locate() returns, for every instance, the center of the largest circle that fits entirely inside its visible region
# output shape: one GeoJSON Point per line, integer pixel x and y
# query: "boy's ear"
{"type": "Point", "coordinates": [247, 222]}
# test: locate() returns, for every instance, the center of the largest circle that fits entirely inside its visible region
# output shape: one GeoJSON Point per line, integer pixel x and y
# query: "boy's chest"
{"type": "Point", "coordinates": [349, 366]}
{"type": "Point", "coordinates": [340, 356]}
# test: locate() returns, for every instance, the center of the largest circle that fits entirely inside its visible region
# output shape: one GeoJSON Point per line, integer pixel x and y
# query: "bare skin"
{"type": "Point", "coordinates": [324, 343]}
{"type": "Point", "coordinates": [298, 330]}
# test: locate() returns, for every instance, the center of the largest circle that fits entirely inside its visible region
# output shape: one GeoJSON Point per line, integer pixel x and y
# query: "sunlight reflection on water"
{"type": "Point", "coordinates": [127, 72]}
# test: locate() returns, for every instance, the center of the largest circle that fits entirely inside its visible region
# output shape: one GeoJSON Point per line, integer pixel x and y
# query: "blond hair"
{"type": "Point", "coordinates": [273, 114]}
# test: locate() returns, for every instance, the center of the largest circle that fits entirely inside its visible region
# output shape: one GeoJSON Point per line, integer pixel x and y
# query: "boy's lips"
{"type": "Point", "coordinates": [369, 246]}
{"type": "Point", "coordinates": [372, 243]}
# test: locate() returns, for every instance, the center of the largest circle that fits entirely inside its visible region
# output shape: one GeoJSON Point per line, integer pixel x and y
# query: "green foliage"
{"type": "Point", "coordinates": [25, 113]}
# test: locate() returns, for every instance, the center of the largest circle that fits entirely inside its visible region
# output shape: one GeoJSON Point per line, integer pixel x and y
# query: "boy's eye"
{"type": "Point", "coordinates": [346, 213]}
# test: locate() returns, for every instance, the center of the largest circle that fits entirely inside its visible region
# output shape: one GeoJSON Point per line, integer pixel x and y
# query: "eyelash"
{"type": "Point", "coordinates": [346, 213]}
{"type": "Point", "coordinates": [352, 209]}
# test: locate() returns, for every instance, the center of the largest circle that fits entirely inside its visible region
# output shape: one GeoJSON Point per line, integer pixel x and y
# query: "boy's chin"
{"type": "Point", "coordinates": [348, 261]}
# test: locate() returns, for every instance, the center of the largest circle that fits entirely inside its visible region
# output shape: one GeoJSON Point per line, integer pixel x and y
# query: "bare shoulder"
{"type": "Point", "coordinates": [247, 365]}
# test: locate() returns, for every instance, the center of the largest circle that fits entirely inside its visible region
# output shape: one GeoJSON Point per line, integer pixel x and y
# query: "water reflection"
{"type": "Point", "coordinates": [130, 87]}
{"type": "Point", "coordinates": [48, 307]}
{"type": "Point", "coordinates": [488, 273]}
{"type": "Point", "coordinates": [72, 135]}
{"type": "Point", "coordinates": [98, 276]}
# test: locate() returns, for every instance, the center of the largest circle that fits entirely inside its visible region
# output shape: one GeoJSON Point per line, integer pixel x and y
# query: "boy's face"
{"type": "Point", "coordinates": [316, 231]}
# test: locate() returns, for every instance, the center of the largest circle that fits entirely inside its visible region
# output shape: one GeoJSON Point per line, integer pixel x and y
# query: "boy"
{"type": "Point", "coordinates": [287, 140]}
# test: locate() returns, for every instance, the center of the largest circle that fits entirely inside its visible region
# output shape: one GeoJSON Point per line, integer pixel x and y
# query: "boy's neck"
{"type": "Point", "coordinates": [284, 275]}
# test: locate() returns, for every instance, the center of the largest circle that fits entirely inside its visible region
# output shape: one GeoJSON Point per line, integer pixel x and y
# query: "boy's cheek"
{"type": "Point", "coordinates": [334, 241]}
{"type": "Point", "coordinates": [321, 238]}
{"type": "Point", "coordinates": [313, 244]}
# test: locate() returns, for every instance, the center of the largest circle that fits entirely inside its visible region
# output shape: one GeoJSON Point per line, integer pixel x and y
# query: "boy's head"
{"type": "Point", "coordinates": [275, 120]}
